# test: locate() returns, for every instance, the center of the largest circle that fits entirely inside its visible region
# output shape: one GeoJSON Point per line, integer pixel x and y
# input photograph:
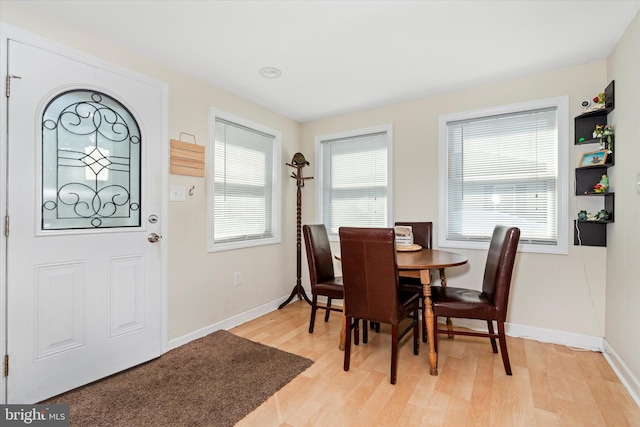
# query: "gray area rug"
{"type": "Point", "coordinates": [212, 381]}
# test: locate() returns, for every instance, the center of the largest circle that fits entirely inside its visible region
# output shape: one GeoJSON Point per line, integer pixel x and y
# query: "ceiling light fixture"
{"type": "Point", "coordinates": [270, 72]}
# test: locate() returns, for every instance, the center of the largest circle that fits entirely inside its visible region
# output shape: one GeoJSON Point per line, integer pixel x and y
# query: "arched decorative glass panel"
{"type": "Point", "coordinates": [90, 163]}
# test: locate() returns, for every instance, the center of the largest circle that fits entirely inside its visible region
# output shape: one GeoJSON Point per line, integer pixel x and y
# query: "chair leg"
{"type": "Point", "coordinates": [365, 332]}
{"type": "Point", "coordinates": [450, 327]}
{"type": "Point", "coordinates": [356, 331]}
{"type": "Point", "coordinates": [327, 311]}
{"type": "Point", "coordinates": [435, 333]}
{"type": "Point", "coordinates": [314, 308]}
{"type": "Point", "coordinates": [394, 353]}
{"type": "Point", "coordinates": [347, 344]}
{"type": "Point", "coordinates": [425, 335]}
{"type": "Point", "coordinates": [503, 348]}
{"type": "Point", "coordinates": [443, 283]}
{"type": "Point", "coordinates": [416, 334]}
{"type": "Point", "coordinates": [493, 340]}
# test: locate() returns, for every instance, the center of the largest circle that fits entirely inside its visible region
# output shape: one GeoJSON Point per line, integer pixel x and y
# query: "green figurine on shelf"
{"type": "Point", "coordinates": [604, 132]}
{"type": "Point", "coordinates": [602, 186]}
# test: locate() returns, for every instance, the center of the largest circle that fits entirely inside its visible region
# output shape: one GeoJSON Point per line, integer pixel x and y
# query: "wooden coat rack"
{"type": "Point", "coordinates": [298, 163]}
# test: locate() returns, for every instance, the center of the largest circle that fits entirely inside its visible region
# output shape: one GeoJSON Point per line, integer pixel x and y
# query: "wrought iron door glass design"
{"type": "Point", "coordinates": [91, 154]}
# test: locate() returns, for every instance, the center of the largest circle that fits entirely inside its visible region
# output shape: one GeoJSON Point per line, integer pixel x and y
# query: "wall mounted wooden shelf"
{"type": "Point", "coordinates": [594, 233]}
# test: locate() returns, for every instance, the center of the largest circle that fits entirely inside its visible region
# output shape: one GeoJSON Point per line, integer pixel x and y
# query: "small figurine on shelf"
{"type": "Point", "coordinates": [597, 132]}
{"type": "Point", "coordinates": [603, 215]}
{"type": "Point", "coordinates": [602, 186]}
{"type": "Point", "coordinates": [604, 132]}
{"type": "Point", "coordinates": [582, 215]}
{"type": "Point", "coordinates": [599, 99]}
{"type": "Point", "coordinates": [598, 103]}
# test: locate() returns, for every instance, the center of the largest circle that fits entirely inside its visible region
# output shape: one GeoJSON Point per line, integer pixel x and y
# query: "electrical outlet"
{"type": "Point", "coordinates": [238, 279]}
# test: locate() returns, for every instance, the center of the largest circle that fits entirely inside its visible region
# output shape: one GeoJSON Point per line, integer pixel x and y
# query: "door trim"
{"type": "Point", "coordinates": [9, 32]}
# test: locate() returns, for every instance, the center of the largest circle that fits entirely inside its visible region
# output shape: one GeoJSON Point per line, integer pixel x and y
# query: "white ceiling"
{"type": "Point", "coordinates": [343, 56]}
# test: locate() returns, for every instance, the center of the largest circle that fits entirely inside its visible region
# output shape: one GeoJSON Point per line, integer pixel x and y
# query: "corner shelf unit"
{"type": "Point", "coordinates": [594, 233]}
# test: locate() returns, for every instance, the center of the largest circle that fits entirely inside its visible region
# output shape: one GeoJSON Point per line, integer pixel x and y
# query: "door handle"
{"type": "Point", "coordinates": [154, 238]}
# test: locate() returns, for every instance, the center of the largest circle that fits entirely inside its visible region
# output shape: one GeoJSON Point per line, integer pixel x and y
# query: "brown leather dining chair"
{"type": "Point", "coordinates": [321, 272]}
{"type": "Point", "coordinates": [491, 303]}
{"type": "Point", "coordinates": [421, 236]}
{"type": "Point", "coordinates": [371, 290]}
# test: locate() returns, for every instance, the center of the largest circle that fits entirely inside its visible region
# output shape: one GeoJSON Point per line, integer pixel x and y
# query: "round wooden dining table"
{"type": "Point", "coordinates": [417, 264]}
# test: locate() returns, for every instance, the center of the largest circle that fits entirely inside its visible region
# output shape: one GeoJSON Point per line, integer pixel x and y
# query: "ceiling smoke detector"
{"type": "Point", "coordinates": [270, 72]}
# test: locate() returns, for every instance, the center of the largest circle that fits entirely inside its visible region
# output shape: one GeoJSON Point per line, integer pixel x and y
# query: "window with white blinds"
{"type": "Point", "coordinates": [244, 206]}
{"type": "Point", "coordinates": [354, 186]}
{"type": "Point", "coordinates": [506, 166]}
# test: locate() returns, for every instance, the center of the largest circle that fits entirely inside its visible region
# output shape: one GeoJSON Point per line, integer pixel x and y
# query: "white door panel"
{"type": "Point", "coordinates": [82, 303]}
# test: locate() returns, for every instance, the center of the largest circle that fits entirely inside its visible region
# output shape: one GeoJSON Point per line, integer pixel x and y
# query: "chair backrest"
{"type": "Point", "coordinates": [422, 232]}
{"type": "Point", "coordinates": [369, 273]}
{"type": "Point", "coordinates": [499, 267]}
{"type": "Point", "coordinates": [318, 249]}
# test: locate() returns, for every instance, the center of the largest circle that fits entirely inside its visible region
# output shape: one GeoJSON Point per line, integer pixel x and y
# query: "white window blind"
{"type": "Point", "coordinates": [355, 175]}
{"type": "Point", "coordinates": [243, 202]}
{"type": "Point", "coordinates": [504, 169]}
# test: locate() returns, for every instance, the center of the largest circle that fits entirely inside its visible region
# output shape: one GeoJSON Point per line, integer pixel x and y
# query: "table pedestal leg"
{"type": "Point", "coordinates": [426, 287]}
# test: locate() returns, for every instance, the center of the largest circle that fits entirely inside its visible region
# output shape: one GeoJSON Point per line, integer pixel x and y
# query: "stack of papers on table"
{"type": "Point", "coordinates": [404, 235]}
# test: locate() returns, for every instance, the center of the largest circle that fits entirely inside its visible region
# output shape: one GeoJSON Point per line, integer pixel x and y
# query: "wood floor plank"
{"type": "Point", "coordinates": [551, 385]}
{"type": "Point", "coordinates": [481, 395]}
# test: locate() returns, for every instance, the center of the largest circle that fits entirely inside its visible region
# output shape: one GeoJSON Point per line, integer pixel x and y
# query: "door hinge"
{"type": "Point", "coordinates": [6, 225]}
{"type": "Point", "coordinates": [6, 365]}
{"type": "Point", "coordinates": [8, 83]}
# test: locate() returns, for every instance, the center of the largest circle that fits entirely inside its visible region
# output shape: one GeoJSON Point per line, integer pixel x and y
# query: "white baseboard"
{"type": "Point", "coordinates": [228, 323]}
{"type": "Point", "coordinates": [538, 334]}
{"type": "Point", "coordinates": [513, 330]}
{"type": "Point", "coordinates": [627, 378]}
{"type": "Point", "coordinates": [553, 336]}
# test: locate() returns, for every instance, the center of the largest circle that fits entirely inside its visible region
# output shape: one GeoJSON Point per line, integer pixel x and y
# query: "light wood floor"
{"type": "Point", "coordinates": [551, 385]}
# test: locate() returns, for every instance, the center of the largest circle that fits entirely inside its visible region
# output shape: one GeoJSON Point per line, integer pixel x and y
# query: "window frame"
{"type": "Point", "coordinates": [319, 178]}
{"type": "Point", "coordinates": [561, 103]}
{"type": "Point", "coordinates": [276, 209]}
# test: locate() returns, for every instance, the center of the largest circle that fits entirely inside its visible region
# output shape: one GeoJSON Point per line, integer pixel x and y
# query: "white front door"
{"type": "Point", "coordinates": [84, 280]}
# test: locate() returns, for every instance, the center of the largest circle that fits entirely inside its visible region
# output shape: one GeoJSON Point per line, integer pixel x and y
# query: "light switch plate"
{"type": "Point", "coordinates": [177, 193]}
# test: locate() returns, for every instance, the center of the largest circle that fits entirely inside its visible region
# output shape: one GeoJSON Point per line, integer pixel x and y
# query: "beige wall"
{"type": "Point", "coordinates": [201, 290]}
{"type": "Point", "coordinates": [201, 284]}
{"type": "Point", "coordinates": [623, 254]}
